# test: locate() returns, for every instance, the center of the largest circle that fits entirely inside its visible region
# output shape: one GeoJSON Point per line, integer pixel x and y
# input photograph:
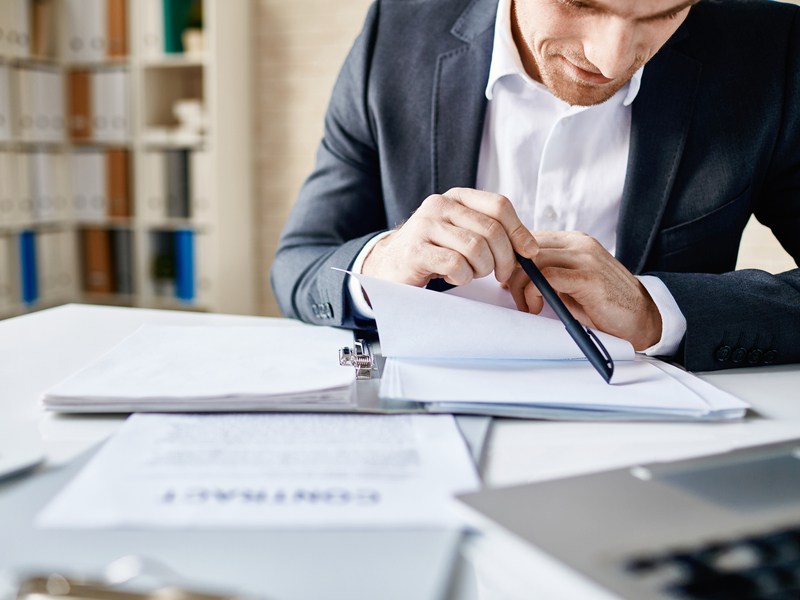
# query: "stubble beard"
{"type": "Point", "coordinates": [574, 91]}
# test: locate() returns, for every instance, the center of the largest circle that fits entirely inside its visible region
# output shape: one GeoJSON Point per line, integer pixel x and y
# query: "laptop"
{"type": "Point", "coordinates": [20, 450]}
{"type": "Point", "coordinates": [718, 527]}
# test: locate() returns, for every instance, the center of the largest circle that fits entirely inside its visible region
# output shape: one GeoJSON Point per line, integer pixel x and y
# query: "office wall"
{"type": "Point", "coordinates": [300, 46]}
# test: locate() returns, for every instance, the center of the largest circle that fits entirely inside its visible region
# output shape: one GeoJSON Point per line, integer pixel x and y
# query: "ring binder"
{"type": "Point", "coordinates": [360, 357]}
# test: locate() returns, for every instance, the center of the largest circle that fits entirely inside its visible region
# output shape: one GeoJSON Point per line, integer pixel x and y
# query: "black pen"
{"type": "Point", "coordinates": [587, 341]}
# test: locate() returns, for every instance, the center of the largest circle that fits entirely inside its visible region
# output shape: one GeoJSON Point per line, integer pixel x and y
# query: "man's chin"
{"type": "Point", "coordinates": [579, 93]}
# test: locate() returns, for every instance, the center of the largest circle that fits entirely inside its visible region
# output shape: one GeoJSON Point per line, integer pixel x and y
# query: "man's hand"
{"type": "Point", "coordinates": [459, 236]}
{"type": "Point", "coordinates": [594, 286]}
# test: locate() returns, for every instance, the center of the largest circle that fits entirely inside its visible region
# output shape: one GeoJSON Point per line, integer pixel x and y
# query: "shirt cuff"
{"type": "Point", "coordinates": [673, 323]}
{"type": "Point", "coordinates": [359, 303]}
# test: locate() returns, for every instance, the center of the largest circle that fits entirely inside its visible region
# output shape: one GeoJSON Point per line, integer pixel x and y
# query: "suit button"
{"type": "Point", "coordinates": [328, 310]}
{"type": "Point", "coordinates": [770, 357]}
{"type": "Point", "coordinates": [739, 355]}
{"type": "Point", "coordinates": [723, 353]}
{"type": "Point", "coordinates": [754, 356]}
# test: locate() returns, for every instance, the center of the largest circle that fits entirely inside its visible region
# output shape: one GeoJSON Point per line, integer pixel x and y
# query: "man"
{"type": "Point", "coordinates": [656, 126]}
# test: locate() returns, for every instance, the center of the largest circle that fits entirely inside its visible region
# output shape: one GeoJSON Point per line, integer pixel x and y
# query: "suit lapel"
{"type": "Point", "coordinates": [459, 99]}
{"type": "Point", "coordinates": [660, 121]}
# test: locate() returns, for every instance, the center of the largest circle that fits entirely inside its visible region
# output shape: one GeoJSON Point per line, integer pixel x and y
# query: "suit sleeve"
{"type": "Point", "coordinates": [748, 318]}
{"type": "Point", "coordinates": [340, 205]}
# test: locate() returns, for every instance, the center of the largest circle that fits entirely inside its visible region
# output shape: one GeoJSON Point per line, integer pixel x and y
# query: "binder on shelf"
{"type": "Point", "coordinates": [119, 111]}
{"type": "Point", "coordinates": [53, 106]}
{"type": "Point", "coordinates": [40, 105]}
{"type": "Point", "coordinates": [46, 268]}
{"type": "Point", "coordinates": [122, 252]}
{"type": "Point", "coordinates": [176, 20]}
{"type": "Point", "coordinates": [67, 264]}
{"type": "Point", "coordinates": [24, 104]}
{"type": "Point", "coordinates": [184, 265]}
{"type": "Point", "coordinates": [204, 269]}
{"type": "Point", "coordinates": [109, 105]}
{"type": "Point", "coordinates": [162, 264]}
{"type": "Point", "coordinates": [98, 275]}
{"type": "Point", "coordinates": [86, 39]}
{"type": "Point", "coordinates": [152, 197]}
{"type": "Point", "coordinates": [44, 185]}
{"type": "Point", "coordinates": [118, 182]}
{"type": "Point", "coordinates": [22, 210]}
{"type": "Point", "coordinates": [61, 195]}
{"type": "Point", "coordinates": [80, 109]}
{"type": "Point", "coordinates": [28, 275]}
{"type": "Point", "coordinates": [7, 189]}
{"type": "Point", "coordinates": [15, 20]}
{"type": "Point", "coordinates": [58, 261]}
{"type": "Point", "coordinates": [43, 31]}
{"type": "Point", "coordinates": [89, 186]}
{"type": "Point", "coordinates": [177, 183]}
{"type": "Point", "coordinates": [5, 25]}
{"type": "Point", "coordinates": [5, 104]}
{"type": "Point", "coordinates": [117, 15]}
{"type": "Point", "coordinates": [151, 42]}
{"type": "Point", "coordinates": [8, 297]}
{"type": "Point", "coordinates": [201, 186]}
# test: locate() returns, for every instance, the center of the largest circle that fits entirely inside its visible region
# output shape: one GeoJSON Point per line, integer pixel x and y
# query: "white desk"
{"type": "Point", "coordinates": [43, 348]}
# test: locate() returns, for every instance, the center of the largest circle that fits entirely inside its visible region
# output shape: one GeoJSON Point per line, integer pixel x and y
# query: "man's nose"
{"type": "Point", "coordinates": [610, 47]}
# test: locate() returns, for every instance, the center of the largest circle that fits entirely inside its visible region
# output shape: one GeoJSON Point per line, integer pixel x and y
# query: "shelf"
{"type": "Point", "coordinates": [212, 181]}
{"type": "Point", "coordinates": [108, 299]}
{"type": "Point", "coordinates": [171, 61]}
{"type": "Point", "coordinates": [108, 63]}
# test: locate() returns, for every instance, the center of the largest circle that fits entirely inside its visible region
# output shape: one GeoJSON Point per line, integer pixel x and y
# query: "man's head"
{"type": "Point", "coordinates": [584, 51]}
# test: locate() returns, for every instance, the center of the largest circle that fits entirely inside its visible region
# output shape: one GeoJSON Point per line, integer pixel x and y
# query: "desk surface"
{"type": "Point", "coordinates": [40, 349]}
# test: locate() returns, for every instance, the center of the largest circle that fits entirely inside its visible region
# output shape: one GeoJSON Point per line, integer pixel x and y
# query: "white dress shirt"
{"type": "Point", "coordinates": [563, 167]}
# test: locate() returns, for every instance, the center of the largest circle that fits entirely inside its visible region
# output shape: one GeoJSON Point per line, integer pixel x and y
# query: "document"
{"type": "Point", "coordinates": [270, 471]}
{"type": "Point", "coordinates": [480, 355]}
{"type": "Point", "coordinates": [180, 368]}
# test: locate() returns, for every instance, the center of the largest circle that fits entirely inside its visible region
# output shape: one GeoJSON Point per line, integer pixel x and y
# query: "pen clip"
{"type": "Point", "coordinates": [609, 363]}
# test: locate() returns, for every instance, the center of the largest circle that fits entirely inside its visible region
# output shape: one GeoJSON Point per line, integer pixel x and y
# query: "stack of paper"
{"type": "Point", "coordinates": [176, 368]}
{"type": "Point", "coordinates": [468, 356]}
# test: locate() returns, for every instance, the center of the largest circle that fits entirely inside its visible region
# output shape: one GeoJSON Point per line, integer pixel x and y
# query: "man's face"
{"type": "Point", "coordinates": [584, 51]}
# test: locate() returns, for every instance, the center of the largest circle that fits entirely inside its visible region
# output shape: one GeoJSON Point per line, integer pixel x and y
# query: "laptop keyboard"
{"type": "Point", "coordinates": [765, 567]}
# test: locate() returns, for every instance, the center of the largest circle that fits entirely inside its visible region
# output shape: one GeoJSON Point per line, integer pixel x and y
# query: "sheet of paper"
{"type": "Point", "coordinates": [161, 364]}
{"type": "Point", "coordinates": [447, 326]}
{"type": "Point", "coordinates": [270, 471]}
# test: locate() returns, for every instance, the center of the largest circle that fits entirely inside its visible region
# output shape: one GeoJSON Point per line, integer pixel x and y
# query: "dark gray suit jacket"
{"type": "Point", "coordinates": [715, 137]}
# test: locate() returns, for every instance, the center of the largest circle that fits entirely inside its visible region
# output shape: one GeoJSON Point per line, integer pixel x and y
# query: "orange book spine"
{"type": "Point", "coordinates": [118, 183]}
{"type": "Point", "coordinates": [117, 24]}
{"type": "Point", "coordinates": [80, 109]}
{"type": "Point", "coordinates": [97, 270]}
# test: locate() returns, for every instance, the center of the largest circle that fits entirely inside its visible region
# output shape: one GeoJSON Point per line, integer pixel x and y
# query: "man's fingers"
{"type": "Point", "coordinates": [500, 209]}
{"type": "Point", "coordinates": [445, 263]}
{"type": "Point", "coordinates": [516, 285]}
{"type": "Point", "coordinates": [472, 246]}
{"type": "Point", "coordinates": [490, 230]}
{"type": "Point", "coordinates": [533, 298]}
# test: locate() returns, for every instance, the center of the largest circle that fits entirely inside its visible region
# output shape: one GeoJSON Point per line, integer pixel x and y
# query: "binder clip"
{"type": "Point", "coordinates": [360, 357]}
{"type": "Point", "coordinates": [112, 585]}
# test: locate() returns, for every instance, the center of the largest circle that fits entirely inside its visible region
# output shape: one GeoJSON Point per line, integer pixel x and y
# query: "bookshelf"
{"type": "Point", "coordinates": [125, 170]}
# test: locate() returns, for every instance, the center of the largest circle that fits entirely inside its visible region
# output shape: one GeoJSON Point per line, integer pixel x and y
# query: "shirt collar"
{"type": "Point", "coordinates": [506, 59]}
